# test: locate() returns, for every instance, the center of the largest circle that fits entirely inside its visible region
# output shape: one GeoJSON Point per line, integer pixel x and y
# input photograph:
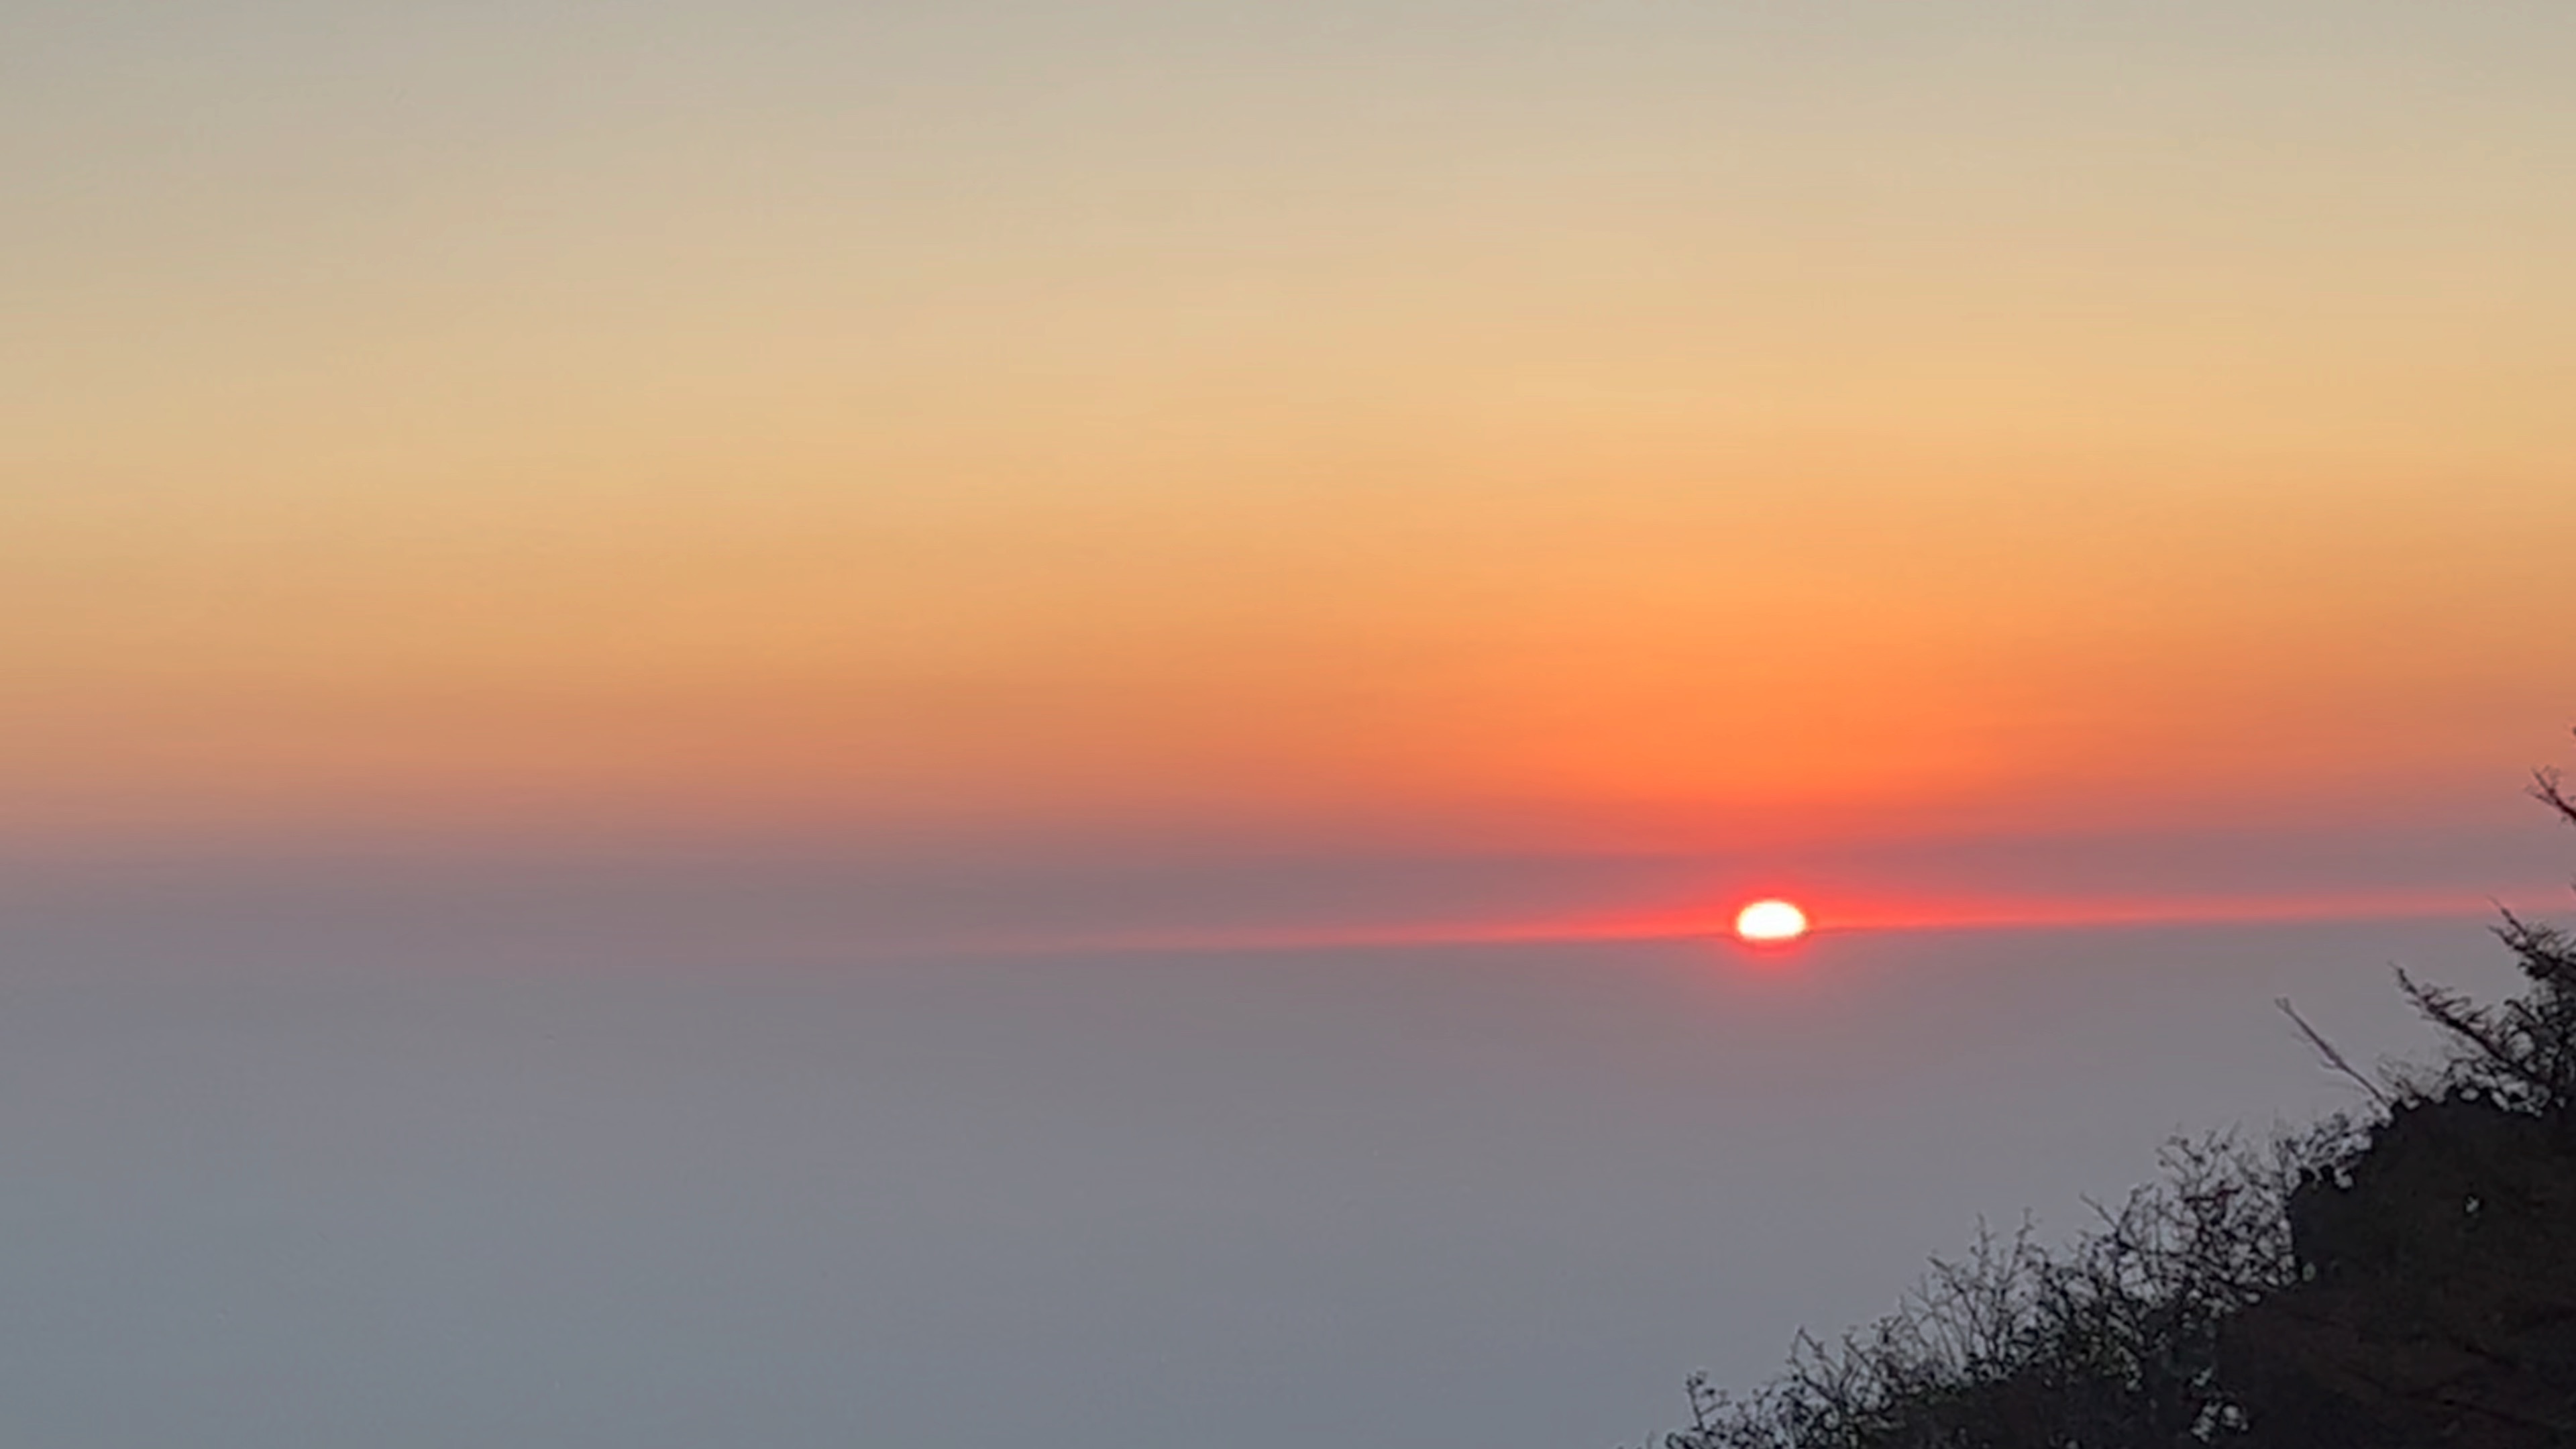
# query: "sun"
{"type": "Point", "coordinates": [1770, 921]}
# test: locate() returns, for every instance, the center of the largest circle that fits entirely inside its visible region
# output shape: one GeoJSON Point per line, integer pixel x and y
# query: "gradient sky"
{"type": "Point", "coordinates": [1439, 496]}
{"type": "Point", "coordinates": [1615, 425]}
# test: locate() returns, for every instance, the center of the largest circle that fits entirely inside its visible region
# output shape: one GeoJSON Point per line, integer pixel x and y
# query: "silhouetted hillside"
{"type": "Point", "coordinates": [2438, 1295]}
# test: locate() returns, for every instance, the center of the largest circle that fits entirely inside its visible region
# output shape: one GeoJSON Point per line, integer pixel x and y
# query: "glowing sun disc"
{"type": "Point", "coordinates": [1770, 921]}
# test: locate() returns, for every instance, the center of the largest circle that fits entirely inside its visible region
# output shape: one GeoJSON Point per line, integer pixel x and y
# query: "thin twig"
{"type": "Point", "coordinates": [2334, 1057]}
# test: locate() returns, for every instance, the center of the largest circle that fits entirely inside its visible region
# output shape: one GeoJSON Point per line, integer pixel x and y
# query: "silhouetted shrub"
{"type": "Point", "coordinates": [2112, 1341]}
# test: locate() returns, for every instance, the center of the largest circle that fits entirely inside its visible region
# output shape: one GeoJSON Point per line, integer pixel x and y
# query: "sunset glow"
{"type": "Point", "coordinates": [1708, 460]}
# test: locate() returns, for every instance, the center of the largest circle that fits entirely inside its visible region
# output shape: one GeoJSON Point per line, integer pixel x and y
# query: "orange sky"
{"type": "Point", "coordinates": [1577, 444]}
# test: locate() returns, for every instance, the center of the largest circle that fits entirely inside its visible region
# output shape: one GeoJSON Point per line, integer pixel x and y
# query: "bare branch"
{"type": "Point", "coordinates": [2333, 1055]}
{"type": "Point", "coordinates": [2549, 787]}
